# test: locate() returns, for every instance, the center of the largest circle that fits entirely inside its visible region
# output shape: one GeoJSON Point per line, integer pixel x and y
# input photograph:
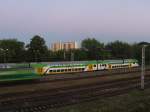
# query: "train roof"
{"type": "Point", "coordinates": [112, 61]}
{"type": "Point", "coordinates": [84, 63]}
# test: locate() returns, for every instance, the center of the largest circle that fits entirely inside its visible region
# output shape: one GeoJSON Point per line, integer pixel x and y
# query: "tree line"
{"type": "Point", "coordinates": [12, 51]}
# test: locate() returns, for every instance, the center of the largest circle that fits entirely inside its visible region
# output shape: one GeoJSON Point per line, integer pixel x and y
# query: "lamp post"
{"type": "Point", "coordinates": [143, 67]}
{"type": "Point", "coordinates": [64, 55]}
{"type": "Point", "coordinates": [72, 56]}
{"type": "Point", "coordinates": [36, 52]}
{"type": "Point", "coordinates": [103, 56]}
{"type": "Point", "coordinates": [1, 50]}
{"type": "Point", "coordinates": [5, 51]}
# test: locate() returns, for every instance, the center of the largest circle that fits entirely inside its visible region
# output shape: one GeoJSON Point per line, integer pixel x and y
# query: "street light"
{"type": "Point", "coordinates": [64, 55]}
{"type": "Point", "coordinates": [36, 52]}
{"type": "Point", "coordinates": [102, 50]}
{"type": "Point", "coordinates": [143, 66]}
{"type": "Point", "coordinates": [1, 51]}
{"type": "Point", "coordinates": [4, 50]}
{"type": "Point", "coordinates": [72, 56]}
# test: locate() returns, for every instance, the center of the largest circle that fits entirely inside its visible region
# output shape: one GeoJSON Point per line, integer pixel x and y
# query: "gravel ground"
{"type": "Point", "coordinates": [60, 84]}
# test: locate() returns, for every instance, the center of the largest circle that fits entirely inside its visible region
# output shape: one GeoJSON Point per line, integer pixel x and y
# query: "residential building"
{"type": "Point", "coordinates": [64, 46]}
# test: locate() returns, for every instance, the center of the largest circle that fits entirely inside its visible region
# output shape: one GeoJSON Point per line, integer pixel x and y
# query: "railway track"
{"type": "Point", "coordinates": [90, 74]}
{"type": "Point", "coordinates": [40, 102]}
{"type": "Point", "coordinates": [74, 76]}
{"type": "Point", "coordinates": [65, 85]}
{"type": "Point", "coordinates": [59, 90]}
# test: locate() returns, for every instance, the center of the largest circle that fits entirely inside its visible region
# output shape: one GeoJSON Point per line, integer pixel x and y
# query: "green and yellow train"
{"type": "Point", "coordinates": [14, 72]}
{"type": "Point", "coordinates": [85, 66]}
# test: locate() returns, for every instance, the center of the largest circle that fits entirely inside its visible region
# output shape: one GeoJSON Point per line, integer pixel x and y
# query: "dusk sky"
{"type": "Point", "coordinates": [74, 20]}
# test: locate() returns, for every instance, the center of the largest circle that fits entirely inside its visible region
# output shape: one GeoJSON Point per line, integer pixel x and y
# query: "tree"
{"type": "Point", "coordinates": [57, 55]}
{"type": "Point", "coordinates": [120, 49]}
{"type": "Point", "coordinates": [11, 50]}
{"type": "Point", "coordinates": [93, 47]}
{"type": "Point", "coordinates": [137, 52]}
{"type": "Point", "coordinates": [80, 54]}
{"type": "Point", "coordinates": [37, 49]}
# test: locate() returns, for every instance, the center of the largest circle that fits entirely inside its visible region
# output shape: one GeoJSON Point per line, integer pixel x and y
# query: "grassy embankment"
{"type": "Point", "coordinates": [134, 101]}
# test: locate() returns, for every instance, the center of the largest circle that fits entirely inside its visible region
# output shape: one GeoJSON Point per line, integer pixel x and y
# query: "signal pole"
{"type": "Point", "coordinates": [64, 55]}
{"type": "Point", "coordinates": [72, 56]}
{"type": "Point", "coordinates": [143, 67]}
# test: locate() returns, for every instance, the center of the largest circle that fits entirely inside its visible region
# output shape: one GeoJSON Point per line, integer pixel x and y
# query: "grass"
{"type": "Point", "coordinates": [135, 101]}
{"type": "Point", "coordinates": [20, 74]}
{"type": "Point", "coordinates": [12, 72]}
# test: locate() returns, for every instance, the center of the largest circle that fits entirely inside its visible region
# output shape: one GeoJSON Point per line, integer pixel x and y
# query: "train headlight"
{"type": "Point", "coordinates": [39, 71]}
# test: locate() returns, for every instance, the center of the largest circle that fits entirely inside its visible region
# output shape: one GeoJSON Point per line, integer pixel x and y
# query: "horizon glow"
{"type": "Point", "coordinates": [74, 20]}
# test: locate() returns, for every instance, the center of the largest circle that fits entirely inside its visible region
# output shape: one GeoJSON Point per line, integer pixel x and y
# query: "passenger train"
{"type": "Point", "coordinates": [26, 71]}
{"type": "Point", "coordinates": [84, 66]}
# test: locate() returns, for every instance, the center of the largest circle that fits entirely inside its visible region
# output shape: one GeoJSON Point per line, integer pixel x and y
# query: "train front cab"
{"type": "Point", "coordinates": [39, 71]}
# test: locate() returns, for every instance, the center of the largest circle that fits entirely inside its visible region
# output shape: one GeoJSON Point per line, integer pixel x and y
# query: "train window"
{"type": "Point", "coordinates": [58, 70]}
{"type": "Point", "coordinates": [69, 70]}
{"type": "Point", "coordinates": [65, 70]}
{"type": "Point", "coordinates": [82, 69]}
{"type": "Point", "coordinates": [50, 70]}
{"type": "Point", "coordinates": [62, 70]}
{"type": "Point", "coordinates": [94, 65]}
{"type": "Point", "coordinates": [54, 70]}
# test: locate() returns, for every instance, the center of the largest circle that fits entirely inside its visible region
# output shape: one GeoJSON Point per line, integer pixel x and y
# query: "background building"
{"type": "Point", "coordinates": [64, 46]}
{"type": "Point", "coordinates": [56, 46]}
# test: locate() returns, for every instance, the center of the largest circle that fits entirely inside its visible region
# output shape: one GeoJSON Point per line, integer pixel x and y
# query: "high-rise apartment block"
{"type": "Point", "coordinates": [64, 46]}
